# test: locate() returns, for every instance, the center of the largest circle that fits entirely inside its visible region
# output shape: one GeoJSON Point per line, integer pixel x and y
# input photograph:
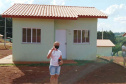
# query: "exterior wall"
{"type": "Point", "coordinates": [38, 52]}
{"type": "Point", "coordinates": [79, 51]}
{"type": "Point", "coordinates": [104, 51]}
{"type": "Point", "coordinates": [32, 52]}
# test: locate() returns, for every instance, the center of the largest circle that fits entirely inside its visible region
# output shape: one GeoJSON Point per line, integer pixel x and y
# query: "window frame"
{"type": "Point", "coordinates": [31, 36]}
{"type": "Point", "coordinates": [81, 36]}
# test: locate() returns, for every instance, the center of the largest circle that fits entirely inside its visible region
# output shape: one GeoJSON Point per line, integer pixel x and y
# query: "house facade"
{"type": "Point", "coordinates": [104, 47]}
{"type": "Point", "coordinates": [34, 35]}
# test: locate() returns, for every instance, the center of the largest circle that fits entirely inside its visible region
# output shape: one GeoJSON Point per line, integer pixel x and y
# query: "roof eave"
{"type": "Point", "coordinates": [93, 17]}
{"type": "Point", "coordinates": [106, 46]}
{"type": "Point", "coordinates": [50, 17]}
{"type": "Point", "coordinates": [40, 17]}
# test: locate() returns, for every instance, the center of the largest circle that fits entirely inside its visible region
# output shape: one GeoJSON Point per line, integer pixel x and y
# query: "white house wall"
{"type": "Point", "coordinates": [104, 51]}
{"type": "Point", "coordinates": [38, 52]}
{"type": "Point", "coordinates": [32, 52]}
{"type": "Point", "coordinates": [79, 51]}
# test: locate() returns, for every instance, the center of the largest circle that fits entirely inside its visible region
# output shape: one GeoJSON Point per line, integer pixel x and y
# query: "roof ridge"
{"type": "Point", "coordinates": [55, 5]}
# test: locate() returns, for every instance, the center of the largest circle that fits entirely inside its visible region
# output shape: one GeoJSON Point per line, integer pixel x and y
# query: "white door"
{"type": "Point", "coordinates": [60, 36]}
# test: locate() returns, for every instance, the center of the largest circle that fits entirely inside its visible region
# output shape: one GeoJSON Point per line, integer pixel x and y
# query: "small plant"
{"type": "Point", "coordinates": [98, 56]}
{"type": "Point", "coordinates": [111, 60]}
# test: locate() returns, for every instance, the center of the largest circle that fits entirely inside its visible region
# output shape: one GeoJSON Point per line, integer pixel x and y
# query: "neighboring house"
{"type": "Point", "coordinates": [1, 36]}
{"type": "Point", "coordinates": [37, 27]}
{"type": "Point", "coordinates": [124, 35]}
{"type": "Point", "coordinates": [104, 47]}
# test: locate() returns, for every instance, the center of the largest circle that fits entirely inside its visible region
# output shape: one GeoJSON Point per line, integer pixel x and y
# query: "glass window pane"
{"type": "Point", "coordinates": [83, 36]}
{"type": "Point", "coordinates": [38, 35]}
{"type": "Point", "coordinates": [28, 35]}
{"type": "Point", "coordinates": [24, 35]}
{"type": "Point", "coordinates": [87, 36]}
{"type": "Point", "coordinates": [34, 35]}
{"type": "Point", "coordinates": [79, 36]}
{"type": "Point", "coordinates": [75, 36]}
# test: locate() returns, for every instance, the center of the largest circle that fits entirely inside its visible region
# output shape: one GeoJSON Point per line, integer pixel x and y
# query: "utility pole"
{"type": "Point", "coordinates": [102, 34]}
{"type": "Point", "coordinates": [5, 35]}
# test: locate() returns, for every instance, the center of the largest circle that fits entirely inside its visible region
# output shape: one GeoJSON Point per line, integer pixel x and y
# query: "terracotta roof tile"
{"type": "Point", "coordinates": [104, 43]}
{"type": "Point", "coordinates": [52, 11]}
{"type": "Point", "coordinates": [124, 35]}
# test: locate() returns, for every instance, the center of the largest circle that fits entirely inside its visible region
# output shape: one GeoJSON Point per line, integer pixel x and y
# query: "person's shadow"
{"type": "Point", "coordinates": [32, 75]}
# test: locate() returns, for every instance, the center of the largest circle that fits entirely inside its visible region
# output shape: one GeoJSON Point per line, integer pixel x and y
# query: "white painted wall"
{"type": "Point", "coordinates": [38, 52]}
{"type": "Point", "coordinates": [32, 52]}
{"type": "Point", "coordinates": [79, 51]}
{"type": "Point", "coordinates": [104, 51]}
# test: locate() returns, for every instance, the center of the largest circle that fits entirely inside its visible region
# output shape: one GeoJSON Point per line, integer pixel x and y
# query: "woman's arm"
{"type": "Point", "coordinates": [49, 55]}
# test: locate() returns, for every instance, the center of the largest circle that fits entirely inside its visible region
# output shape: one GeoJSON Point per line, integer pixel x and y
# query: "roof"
{"type": "Point", "coordinates": [1, 35]}
{"type": "Point", "coordinates": [124, 35]}
{"type": "Point", "coordinates": [104, 43]}
{"type": "Point", "coordinates": [52, 12]}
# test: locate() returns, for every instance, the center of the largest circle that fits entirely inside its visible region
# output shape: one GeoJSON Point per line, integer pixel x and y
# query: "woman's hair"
{"type": "Point", "coordinates": [56, 43]}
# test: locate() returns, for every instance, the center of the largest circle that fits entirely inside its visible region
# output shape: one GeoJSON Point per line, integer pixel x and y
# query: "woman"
{"type": "Point", "coordinates": [55, 62]}
{"type": "Point", "coordinates": [124, 53]}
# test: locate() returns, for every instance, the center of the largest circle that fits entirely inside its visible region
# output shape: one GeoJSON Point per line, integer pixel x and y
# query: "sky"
{"type": "Point", "coordinates": [115, 9]}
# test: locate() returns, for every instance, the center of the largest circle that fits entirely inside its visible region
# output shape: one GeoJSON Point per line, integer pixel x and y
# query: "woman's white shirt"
{"type": "Point", "coordinates": [54, 57]}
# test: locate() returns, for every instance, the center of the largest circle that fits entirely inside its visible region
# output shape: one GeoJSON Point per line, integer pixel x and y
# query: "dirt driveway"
{"type": "Point", "coordinates": [4, 53]}
{"type": "Point", "coordinates": [99, 72]}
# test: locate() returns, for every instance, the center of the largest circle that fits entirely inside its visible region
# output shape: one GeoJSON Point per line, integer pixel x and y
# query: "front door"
{"type": "Point", "coordinates": [60, 36]}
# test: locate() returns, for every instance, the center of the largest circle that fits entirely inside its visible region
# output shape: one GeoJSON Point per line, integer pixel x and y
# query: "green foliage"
{"type": "Point", "coordinates": [116, 48]}
{"type": "Point", "coordinates": [119, 42]}
{"type": "Point", "coordinates": [119, 53]}
{"type": "Point", "coordinates": [106, 35]}
{"type": "Point", "coordinates": [116, 38]}
{"type": "Point", "coordinates": [111, 60]}
{"type": "Point", "coordinates": [8, 26]}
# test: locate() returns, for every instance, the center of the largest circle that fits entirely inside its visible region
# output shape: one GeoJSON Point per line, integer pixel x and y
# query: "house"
{"type": "Point", "coordinates": [37, 27]}
{"type": "Point", "coordinates": [104, 47]}
{"type": "Point", "coordinates": [1, 36]}
{"type": "Point", "coordinates": [124, 35]}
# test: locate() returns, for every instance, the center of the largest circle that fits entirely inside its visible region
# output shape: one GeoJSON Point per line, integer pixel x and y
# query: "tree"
{"type": "Point", "coordinates": [8, 25]}
{"type": "Point", "coordinates": [106, 35]}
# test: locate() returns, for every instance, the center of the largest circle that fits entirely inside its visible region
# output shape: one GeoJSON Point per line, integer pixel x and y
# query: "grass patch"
{"type": "Point", "coordinates": [2, 47]}
{"type": "Point", "coordinates": [40, 64]}
{"type": "Point", "coordinates": [79, 63]}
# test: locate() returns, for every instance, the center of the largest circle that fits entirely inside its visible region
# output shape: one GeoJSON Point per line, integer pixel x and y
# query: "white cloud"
{"type": "Point", "coordinates": [58, 2]}
{"type": "Point", "coordinates": [116, 10]}
{"type": "Point", "coordinates": [117, 18]}
{"type": "Point", "coordinates": [103, 25]}
{"type": "Point", "coordinates": [120, 19]}
{"type": "Point", "coordinates": [20, 1]}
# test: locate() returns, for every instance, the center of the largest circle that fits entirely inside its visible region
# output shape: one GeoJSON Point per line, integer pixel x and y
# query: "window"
{"type": "Point", "coordinates": [81, 36]}
{"type": "Point", "coordinates": [31, 35]}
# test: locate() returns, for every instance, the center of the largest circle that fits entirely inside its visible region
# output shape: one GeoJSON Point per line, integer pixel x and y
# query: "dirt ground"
{"type": "Point", "coordinates": [118, 60]}
{"type": "Point", "coordinates": [4, 53]}
{"type": "Point", "coordinates": [110, 73]}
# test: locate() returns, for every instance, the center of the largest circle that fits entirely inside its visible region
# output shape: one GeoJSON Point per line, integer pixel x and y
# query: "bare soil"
{"type": "Point", "coordinates": [115, 59]}
{"type": "Point", "coordinates": [4, 53]}
{"type": "Point", "coordinates": [110, 73]}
